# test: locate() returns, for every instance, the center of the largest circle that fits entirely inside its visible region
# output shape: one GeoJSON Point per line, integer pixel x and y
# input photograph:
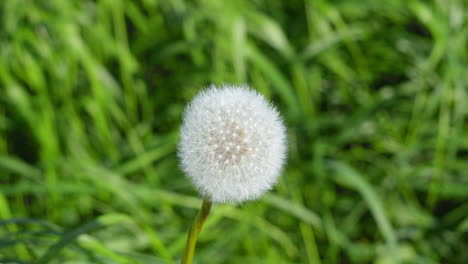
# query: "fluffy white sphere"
{"type": "Point", "coordinates": [233, 144]}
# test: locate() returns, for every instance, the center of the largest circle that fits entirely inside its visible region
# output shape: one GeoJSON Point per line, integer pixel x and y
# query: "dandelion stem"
{"type": "Point", "coordinates": [195, 231]}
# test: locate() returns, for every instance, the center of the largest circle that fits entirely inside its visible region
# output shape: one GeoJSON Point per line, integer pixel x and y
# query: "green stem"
{"type": "Point", "coordinates": [194, 231]}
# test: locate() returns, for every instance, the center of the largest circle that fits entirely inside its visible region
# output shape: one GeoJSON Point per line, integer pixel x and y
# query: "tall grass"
{"type": "Point", "coordinates": [375, 99]}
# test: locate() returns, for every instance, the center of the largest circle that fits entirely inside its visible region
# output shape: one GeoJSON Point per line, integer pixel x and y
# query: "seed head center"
{"type": "Point", "coordinates": [230, 145]}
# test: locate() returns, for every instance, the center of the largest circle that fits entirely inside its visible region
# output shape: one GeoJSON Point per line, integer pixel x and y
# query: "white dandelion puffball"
{"type": "Point", "coordinates": [233, 144]}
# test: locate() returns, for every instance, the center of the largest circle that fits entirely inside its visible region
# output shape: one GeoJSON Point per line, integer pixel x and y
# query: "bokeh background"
{"type": "Point", "coordinates": [374, 94]}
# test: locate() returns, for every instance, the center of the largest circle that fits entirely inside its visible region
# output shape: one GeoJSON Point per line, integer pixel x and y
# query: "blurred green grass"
{"type": "Point", "coordinates": [374, 94]}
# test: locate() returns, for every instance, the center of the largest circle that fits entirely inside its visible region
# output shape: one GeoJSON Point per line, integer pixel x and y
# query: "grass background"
{"type": "Point", "coordinates": [374, 94]}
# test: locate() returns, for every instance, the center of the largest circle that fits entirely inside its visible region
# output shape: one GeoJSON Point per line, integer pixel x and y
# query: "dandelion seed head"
{"type": "Point", "coordinates": [233, 144]}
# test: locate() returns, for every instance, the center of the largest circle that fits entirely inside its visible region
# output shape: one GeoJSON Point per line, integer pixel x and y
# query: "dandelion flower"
{"type": "Point", "coordinates": [233, 144]}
